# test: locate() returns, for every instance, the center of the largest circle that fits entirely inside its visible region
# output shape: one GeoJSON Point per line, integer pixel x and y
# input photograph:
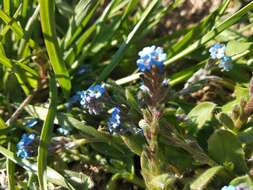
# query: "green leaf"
{"type": "Point", "coordinates": [205, 178]}
{"type": "Point", "coordinates": [164, 181]}
{"type": "Point", "coordinates": [135, 143]}
{"type": "Point", "coordinates": [246, 180]}
{"type": "Point", "coordinates": [203, 112]}
{"type": "Point", "coordinates": [246, 135]}
{"type": "Point", "coordinates": [239, 92]}
{"type": "Point", "coordinates": [56, 59]}
{"type": "Point", "coordinates": [83, 12]}
{"type": "Point", "coordinates": [53, 176]}
{"type": "Point", "coordinates": [225, 148]}
{"type": "Point", "coordinates": [10, 168]}
{"type": "Point", "coordinates": [45, 136]}
{"type": "Point", "coordinates": [225, 120]}
{"type": "Point", "coordinates": [236, 47]}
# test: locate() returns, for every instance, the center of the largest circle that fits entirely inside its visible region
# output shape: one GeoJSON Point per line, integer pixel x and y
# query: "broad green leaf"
{"type": "Point", "coordinates": [237, 47]}
{"type": "Point", "coordinates": [239, 92]}
{"type": "Point", "coordinates": [246, 136]}
{"type": "Point", "coordinates": [164, 181]}
{"type": "Point", "coordinates": [205, 178]}
{"type": "Point", "coordinates": [203, 112]}
{"type": "Point", "coordinates": [225, 148]}
{"type": "Point", "coordinates": [56, 59]}
{"type": "Point", "coordinates": [225, 120]}
{"type": "Point", "coordinates": [45, 136]}
{"type": "Point", "coordinates": [135, 143]}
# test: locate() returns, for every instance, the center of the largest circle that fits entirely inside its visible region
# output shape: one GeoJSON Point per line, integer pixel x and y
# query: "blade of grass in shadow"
{"type": "Point", "coordinates": [10, 168]}
{"type": "Point", "coordinates": [119, 54]}
{"type": "Point", "coordinates": [47, 8]}
{"type": "Point", "coordinates": [76, 48]}
{"type": "Point", "coordinates": [83, 12]}
{"type": "Point", "coordinates": [45, 135]}
{"type": "Point", "coordinates": [28, 31]}
{"type": "Point", "coordinates": [52, 175]}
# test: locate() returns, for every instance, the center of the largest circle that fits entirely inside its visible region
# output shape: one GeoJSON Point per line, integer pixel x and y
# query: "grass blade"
{"type": "Point", "coordinates": [44, 138]}
{"type": "Point", "coordinates": [53, 176]}
{"type": "Point", "coordinates": [119, 54]}
{"type": "Point", "coordinates": [53, 49]}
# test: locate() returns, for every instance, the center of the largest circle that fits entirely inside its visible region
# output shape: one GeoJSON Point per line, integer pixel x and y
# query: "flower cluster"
{"type": "Point", "coordinates": [238, 187]}
{"type": "Point", "coordinates": [151, 57]}
{"type": "Point", "coordinates": [24, 146]}
{"type": "Point", "coordinates": [114, 122]}
{"type": "Point", "coordinates": [89, 98]}
{"type": "Point", "coordinates": [217, 51]}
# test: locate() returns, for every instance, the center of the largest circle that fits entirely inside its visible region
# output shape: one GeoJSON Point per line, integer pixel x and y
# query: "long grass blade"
{"type": "Point", "coordinates": [119, 54]}
{"type": "Point", "coordinates": [56, 60]}
{"type": "Point", "coordinates": [45, 136]}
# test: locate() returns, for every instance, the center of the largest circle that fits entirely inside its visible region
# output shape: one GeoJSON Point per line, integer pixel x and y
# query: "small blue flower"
{"type": "Point", "coordinates": [225, 63]}
{"type": "Point", "coordinates": [31, 123]}
{"type": "Point", "coordinates": [165, 83]}
{"type": "Point", "coordinates": [150, 56]}
{"type": "Point", "coordinates": [89, 98]}
{"type": "Point", "coordinates": [114, 121]}
{"type": "Point", "coordinates": [83, 69]}
{"type": "Point", "coordinates": [217, 51]}
{"type": "Point", "coordinates": [230, 187]}
{"type": "Point", "coordinates": [63, 131]}
{"type": "Point", "coordinates": [23, 146]}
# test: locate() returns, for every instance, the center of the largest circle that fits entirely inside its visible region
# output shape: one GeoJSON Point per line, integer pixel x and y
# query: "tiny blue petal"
{"type": "Point", "coordinates": [225, 63]}
{"type": "Point", "coordinates": [22, 146]}
{"type": "Point", "coordinates": [230, 187]}
{"type": "Point", "coordinates": [151, 56]}
{"type": "Point", "coordinates": [217, 51]}
{"type": "Point", "coordinates": [31, 123]}
{"type": "Point", "coordinates": [63, 131]}
{"type": "Point", "coordinates": [114, 121]}
{"type": "Point", "coordinates": [89, 98]}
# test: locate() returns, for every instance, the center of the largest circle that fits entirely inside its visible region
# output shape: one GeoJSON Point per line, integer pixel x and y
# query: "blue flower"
{"type": "Point", "coordinates": [217, 51]}
{"type": "Point", "coordinates": [63, 131]}
{"type": "Point", "coordinates": [31, 123]}
{"type": "Point", "coordinates": [24, 145]}
{"type": "Point", "coordinates": [114, 121]}
{"type": "Point", "coordinates": [230, 187]}
{"type": "Point", "coordinates": [83, 69]}
{"type": "Point", "coordinates": [89, 98]}
{"type": "Point", "coordinates": [151, 56]}
{"type": "Point", "coordinates": [225, 63]}
{"type": "Point", "coordinates": [165, 83]}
